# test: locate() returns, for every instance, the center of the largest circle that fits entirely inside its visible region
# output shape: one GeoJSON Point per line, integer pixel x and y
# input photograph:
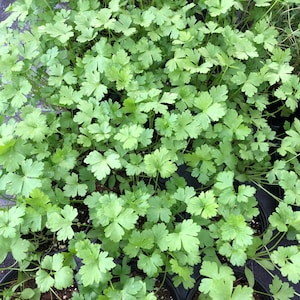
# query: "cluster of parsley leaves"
{"type": "Point", "coordinates": [104, 102]}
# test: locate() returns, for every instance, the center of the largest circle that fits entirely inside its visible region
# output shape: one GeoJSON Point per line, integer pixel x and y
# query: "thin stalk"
{"type": "Point", "coordinates": [163, 281]}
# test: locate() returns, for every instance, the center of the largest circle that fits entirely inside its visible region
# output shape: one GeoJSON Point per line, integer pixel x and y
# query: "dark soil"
{"type": "Point", "coordinates": [163, 292]}
{"type": "Point", "coordinates": [257, 226]}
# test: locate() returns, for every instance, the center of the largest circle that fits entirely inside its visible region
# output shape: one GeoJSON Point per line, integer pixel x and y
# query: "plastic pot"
{"type": "Point", "coordinates": [7, 263]}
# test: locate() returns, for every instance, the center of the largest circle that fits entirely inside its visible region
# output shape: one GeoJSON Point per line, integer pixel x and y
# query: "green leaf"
{"type": "Point", "coordinates": [281, 290]}
{"type": "Point", "coordinates": [150, 264]}
{"type": "Point", "coordinates": [62, 222]}
{"type": "Point", "coordinates": [250, 276]}
{"type": "Point", "coordinates": [249, 83]}
{"type": "Point", "coordinates": [159, 209]}
{"type": "Point", "coordinates": [44, 280]}
{"type": "Point", "coordinates": [290, 92]}
{"type": "Point", "coordinates": [202, 162]}
{"type": "Point", "coordinates": [236, 253]}
{"type": "Point", "coordinates": [149, 53]}
{"type": "Point", "coordinates": [224, 180]}
{"type": "Point", "coordinates": [184, 274]}
{"type": "Point", "coordinates": [73, 188]}
{"type": "Point", "coordinates": [159, 162]}
{"type": "Point", "coordinates": [20, 249]}
{"type": "Point", "coordinates": [204, 205]}
{"type": "Point", "coordinates": [123, 25]}
{"type": "Point", "coordinates": [282, 217]}
{"type": "Point", "coordinates": [10, 220]}
{"type": "Point", "coordinates": [101, 165]}
{"type": "Point", "coordinates": [265, 34]}
{"type": "Point", "coordinates": [218, 7]}
{"type": "Point", "coordinates": [53, 273]}
{"type": "Point", "coordinates": [290, 142]}
{"type": "Point", "coordinates": [219, 282]}
{"type": "Point", "coordinates": [242, 292]}
{"type": "Point", "coordinates": [185, 236]}
{"type": "Point", "coordinates": [187, 126]}
{"type": "Point", "coordinates": [100, 132]}
{"type": "Point", "coordinates": [160, 233]}
{"type": "Point", "coordinates": [129, 135]}
{"type": "Point", "coordinates": [97, 263]}
{"type": "Point", "coordinates": [33, 126]}
{"type": "Point", "coordinates": [27, 293]}
{"type": "Point", "coordinates": [235, 228]}
{"type": "Point", "coordinates": [23, 185]}
{"type": "Point", "coordinates": [211, 110]}
{"type": "Point", "coordinates": [59, 29]}
{"type": "Point", "coordinates": [288, 260]}
{"type": "Point", "coordinates": [138, 241]}
{"type": "Point", "coordinates": [93, 86]}
{"type": "Point", "coordinates": [122, 220]}
{"type": "Point", "coordinates": [236, 125]}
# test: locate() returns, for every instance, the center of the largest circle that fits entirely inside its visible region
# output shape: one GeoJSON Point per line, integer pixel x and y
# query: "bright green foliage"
{"type": "Point", "coordinates": [160, 233]}
{"type": "Point", "coordinates": [59, 29]}
{"type": "Point", "coordinates": [10, 220]}
{"type": "Point", "coordinates": [64, 159]}
{"type": "Point", "coordinates": [23, 184]}
{"type": "Point", "coordinates": [183, 274]}
{"type": "Point", "coordinates": [211, 110]}
{"type": "Point", "coordinates": [234, 126]}
{"type": "Point", "coordinates": [281, 290]}
{"type": "Point", "coordinates": [284, 217]}
{"type": "Point", "coordinates": [17, 93]}
{"type": "Point", "coordinates": [37, 206]}
{"type": "Point", "coordinates": [33, 126]}
{"type": "Point", "coordinates": [290, 182]}
{"type": "Point", "coordinates": [150, 264]}
{"type": "Point", "coordinates": [159, 209]}
{"type": "Point", "coordinates": [275, 70]}
{"type": "Point", "coordinates": [202, 162]}
{"type": "Point", "coordinates": [101, 165]}
{"type": "Point", "coordinates": [148, 52]}
{"type": "Point", "coordinates": [121, 220]}
{"type": "Point", "coordinates": [235, 228]}
{"type": "Point", "coordinates": [139, 241]}
{"type": "Point", "coordinates": [96, 263]}
{"type": "Point", "coordinates": [249, 83]}
{"type": "Point", "coordinates": [134, 165]}
{"type": "Point", "coordinates": [73, 188]}
{"type": "Point", "coordinates": [53, 273]}
{"type": "Point", "coordinates": [218, 283]}
{"type": "Point", "coordinates": [92, 85]}
{"type": "Point", "coordinates": [204, 205]}
{"type": "Point", "coordinates": [290, 92]}
{"type": "Point", "coordinates": [108, 210]}
{"type": "Point", "coordinates": [184, 237]}
{"type": "Point", "coordinates": [265, 34]}
{"type": "Point", "coordinates": [129, 136]}
{"type": "Point", "coordinates": [288, 260]}
{"type": "Point", "coordinates": [134, 288]}
{"type": "Point", "coordinates": [224, 180]}
{"type": "Point", "coordinates": [218, 7]}
{"type": "Point", "coordinates": [291, 142]}
{"type": "Point", "coordinates": [115, 104]}
{"type": "Point", "coordinates": [159, 162]}
{"type": "Point", "coordinates": [62, 222]}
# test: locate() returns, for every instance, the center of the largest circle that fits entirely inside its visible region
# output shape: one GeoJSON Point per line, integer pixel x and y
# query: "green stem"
{"type": "Point", "coordinates": [162, 282]}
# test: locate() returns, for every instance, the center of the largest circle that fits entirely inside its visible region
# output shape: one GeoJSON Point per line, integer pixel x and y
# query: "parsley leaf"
{"type": "Point", "coordinates": [101, 165]}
